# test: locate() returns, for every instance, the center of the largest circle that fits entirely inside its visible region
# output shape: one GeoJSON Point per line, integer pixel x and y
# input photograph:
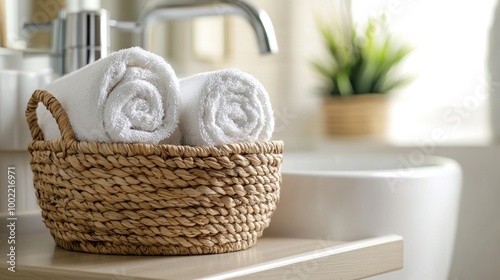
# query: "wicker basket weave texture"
{"type": "Point", "coordinates": [144, 199]}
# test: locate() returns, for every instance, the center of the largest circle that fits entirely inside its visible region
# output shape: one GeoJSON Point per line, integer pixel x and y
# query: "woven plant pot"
{"type": "Point", "coordinates": [356, 115]}
{"type": "Point", "coordinates": [143, 199]}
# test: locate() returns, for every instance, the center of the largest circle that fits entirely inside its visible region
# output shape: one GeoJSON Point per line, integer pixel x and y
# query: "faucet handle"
{"type": "Point", "coordinates": [131, 26]}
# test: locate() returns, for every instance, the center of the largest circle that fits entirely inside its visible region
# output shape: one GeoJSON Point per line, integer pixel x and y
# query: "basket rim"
{"type": "Point", "coordinates": [68, 144]}
{"type": "Point", "coordinates": [164, 150]}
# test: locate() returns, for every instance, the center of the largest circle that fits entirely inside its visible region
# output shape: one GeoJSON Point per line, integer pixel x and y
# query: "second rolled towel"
{"type": "Point", "coordinates": [130, 96]}
{"type": "Point", "coordinates": [222, 107]}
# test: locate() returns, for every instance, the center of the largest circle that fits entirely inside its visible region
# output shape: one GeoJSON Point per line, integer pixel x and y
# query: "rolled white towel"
{"type": "Point", "coordinates": [222, 107]}
{"type": "Point", "coordinates": [130, 96]}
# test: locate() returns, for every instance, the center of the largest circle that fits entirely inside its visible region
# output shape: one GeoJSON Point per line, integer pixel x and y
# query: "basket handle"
{"type": "Point", "coordinates": [57, 111]}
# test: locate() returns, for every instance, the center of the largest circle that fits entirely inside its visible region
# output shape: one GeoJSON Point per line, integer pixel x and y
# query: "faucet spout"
{"type": "Point", "coordinates": [187, 9]}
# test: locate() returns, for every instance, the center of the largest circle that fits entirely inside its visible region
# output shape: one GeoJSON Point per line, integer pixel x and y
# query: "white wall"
{"type": "Point", "coordinates": [449, 63]}
{"type": "Point", "coordinates": [477, 249]}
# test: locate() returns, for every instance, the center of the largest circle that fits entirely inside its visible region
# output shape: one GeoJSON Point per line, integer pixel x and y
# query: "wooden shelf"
{"type": "Point", "coordinates": [272, 258]}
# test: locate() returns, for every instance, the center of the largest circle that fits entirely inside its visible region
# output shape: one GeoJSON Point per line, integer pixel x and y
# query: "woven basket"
{"type": "Point", "coordinates": [144, 199]}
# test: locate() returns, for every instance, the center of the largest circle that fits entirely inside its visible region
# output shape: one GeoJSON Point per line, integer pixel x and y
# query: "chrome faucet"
{"type": "Point", "coordinates": [83, 37]}
{"type": "Point", "coordinates": [187, 9]}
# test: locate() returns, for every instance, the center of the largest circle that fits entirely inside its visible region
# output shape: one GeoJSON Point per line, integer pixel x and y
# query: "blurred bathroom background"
{"type": "Point", "coordinates": [454, 64]}
{"type": "Point", "coordinates": [449, 62]}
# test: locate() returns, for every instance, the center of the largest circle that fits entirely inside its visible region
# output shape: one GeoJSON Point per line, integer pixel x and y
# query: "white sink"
{"type": "Point", "coordinates": [350, 197]}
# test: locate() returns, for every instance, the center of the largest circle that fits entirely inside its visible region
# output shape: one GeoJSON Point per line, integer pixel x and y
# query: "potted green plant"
{"type": "Point", "coordinates": [359, 72]}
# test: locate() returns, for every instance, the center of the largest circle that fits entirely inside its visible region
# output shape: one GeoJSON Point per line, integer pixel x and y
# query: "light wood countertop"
{"type": "Point", "coordinates": [37, 257]}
